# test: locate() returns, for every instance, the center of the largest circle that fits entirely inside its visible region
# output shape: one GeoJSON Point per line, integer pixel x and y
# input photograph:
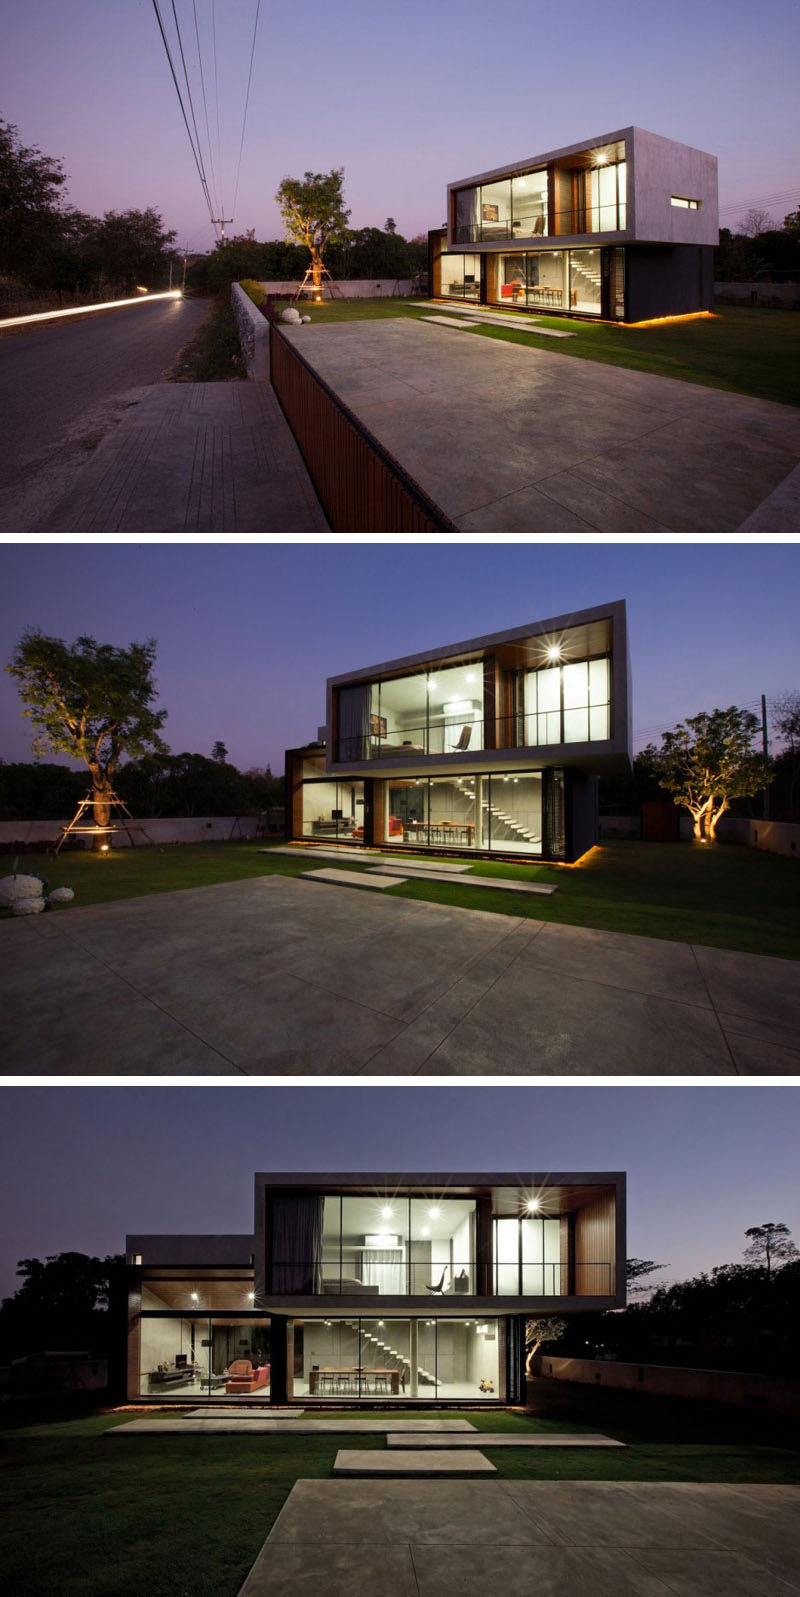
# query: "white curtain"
{"type": "Point", "coordinates": [384, 1268]}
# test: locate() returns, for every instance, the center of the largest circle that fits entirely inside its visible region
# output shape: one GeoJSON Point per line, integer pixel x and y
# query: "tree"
{"type": "Point", "coordinates": [313, 213]}
{"type": "Point", "coordinates": [787, 723]}
{"type": "Point", "coordinates": [755, 222]}
{"type": "Point", "coordinates": [635, 1271]}
{"type": "Point", "coordinates": [63, 1302]}
{"type": "Point", "coordinates": [219, 752]}
{"type": "Point", "coordinates": [771, 1243]}
{"type": "Point", "coordinates": [91, 701]}
{"type": "Point", "coordinates": [791, 223]}
{"type": "Point", "coordinates": [390, 225]}
{"type": "Point", "coordinates": [707, 761]}
{"type": "Point", "coordinates": [129, 248]}
{"type": "Point", "coordinates": [32, 218]}
{"type": "Point", "coordinates": [539, 1331]}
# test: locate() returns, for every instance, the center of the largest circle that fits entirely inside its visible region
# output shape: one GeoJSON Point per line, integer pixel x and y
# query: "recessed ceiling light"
{"type": "Point", "coordinates": [386, 1212]}
{"type": "Point", "coordinates": [433, 1214]}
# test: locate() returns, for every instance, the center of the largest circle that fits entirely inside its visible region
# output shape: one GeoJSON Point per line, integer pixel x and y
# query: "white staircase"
{"type": "Point", "coordinates": [393, 1359]}
{"type": "Point", "coordinates": [510, 829]}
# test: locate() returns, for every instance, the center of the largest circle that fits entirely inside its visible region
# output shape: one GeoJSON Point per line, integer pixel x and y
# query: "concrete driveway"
{"type": "Point", "coordinates": [518, 1538]}
{"type": "Point", "coordinates": [276, 975]}
{"type": "Point", "coordinates": [511, 438]}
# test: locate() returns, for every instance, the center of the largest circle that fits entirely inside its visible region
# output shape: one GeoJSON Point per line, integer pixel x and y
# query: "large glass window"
{"type": "Point", "coordinates": [495, 210]}
{"type": "Point", "coordinates": [333, 810]}
{"type": "Point", "coordinates": [585, 290]}
{"type": "Point", "coordinates": [374, 1246]}
{"type": "Point", "coordinates": [538, 279]}
{"type": "Point", "coordinates": [504, 812]}
{"type": "Point", "coordinates": [367, 1358]}
{"type": "Point", "coordinates": [461, 276]}
{"type": "Point", "coordinates": [432, 712]}
{"type": "Point", "coordinates": [606, 198]}
{"type": "Point", "coordinates": [527, 1258]}
{"type": "Point", "coordinates": [452, 818]}
{"type": "Point", "coordinates": [513, 812]}
{"type": "Point", "coordinates": [568, 703]}
{"type": "Point", "coordinates": [529, 204]}
{"type": "Point", "coordinates": [506, 208]}
{"type": "Point", "coordinates": [467, 226]}
{"type": "Point", "coordinates": [194, 1353]}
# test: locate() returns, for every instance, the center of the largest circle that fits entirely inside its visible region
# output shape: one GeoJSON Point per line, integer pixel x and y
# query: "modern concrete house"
{"type": "Point", "coordinates": [620, 228]}
{"type": "Point", "coordinates": [490, 747]}
{"type": "Point", "coordinates": [376, 1287]}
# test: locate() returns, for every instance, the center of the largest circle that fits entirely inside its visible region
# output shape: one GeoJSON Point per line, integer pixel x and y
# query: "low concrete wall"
{"type": "Point", "coordinates": [776, 837]}
{"type": "Point", "coordinates": [773, 1394]}
{"type": "Point", "coordinates": [351, 288]}
{"type": "Point", "coordinates": [785, 296]}
{"type": "Point", "coordinates": [253, 334]}
{"type": "Point", "coordinates": [629, 827]}
{"type": "Point", "coordinates": [175, 829]}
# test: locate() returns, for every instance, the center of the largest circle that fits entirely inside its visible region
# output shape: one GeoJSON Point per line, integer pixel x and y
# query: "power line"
{"type": "Point", "coordinates": [217, 205]}
{"type": "Point", "coordinates": [246, 104]}
{"type": "Point", "coordinates": [189, 92]}
{"type": "Point", "coordinates": [195, 153]}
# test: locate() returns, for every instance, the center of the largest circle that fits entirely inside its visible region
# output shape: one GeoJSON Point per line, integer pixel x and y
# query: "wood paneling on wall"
{"type": "Point", "coordinates": [595, 1248]}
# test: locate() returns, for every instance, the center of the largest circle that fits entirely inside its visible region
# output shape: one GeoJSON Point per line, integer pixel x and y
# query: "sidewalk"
{"type": "Point", "coordinates": [193, 458]}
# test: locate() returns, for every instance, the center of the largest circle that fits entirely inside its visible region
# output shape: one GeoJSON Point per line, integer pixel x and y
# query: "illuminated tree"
{"type": "Point", "coordinates": [90, 701]}
{"type": "Point", "coordinates": [707, 761]}
{"type": "Point", "coordinates": [314, 214]}
{"type": "Point", "coordinates": [537, 1332]}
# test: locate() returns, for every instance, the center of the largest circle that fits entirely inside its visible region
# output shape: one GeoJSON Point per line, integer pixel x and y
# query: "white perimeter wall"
{"type": "Point", "coordinates": [350, 288]}
{"type": "Point", "coordinates": [175, 829]}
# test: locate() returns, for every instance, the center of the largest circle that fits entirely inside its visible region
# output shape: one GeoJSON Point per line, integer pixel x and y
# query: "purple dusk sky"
{"type": "Point", "coordinates": [406, 100]}
{"type": "Point", "coordinates": [247, 635]}
{"type": "Point", "coordinates": [81, 1166]}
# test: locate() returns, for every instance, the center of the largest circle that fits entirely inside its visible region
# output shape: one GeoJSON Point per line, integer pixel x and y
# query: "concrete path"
{"type": "Point", "coordinates": [63, 387]}
{"type": "Point", "coordinates": [370, 1461]}
{"type": "Point", "coordinates": [429, 873]}
{"type": "Point", "coordinates": [506, 1439]}
{"type": "Point", "coordinates": [516, 438]}
{"type": "Point", "coordinates": [504, 1538]}
{"type": "Point", "coordinates": [272, 1426]}
{"type": "Point", "coordinates": [273, 976]}
{"type": "Point", "coordinates": [193, 458]}
{"type": "Point", "coordinates": [372, 858]}
{"type": "Point", "coordinates": [244, 1412]}
{"type": "Point", "coordinates": [352, 879]}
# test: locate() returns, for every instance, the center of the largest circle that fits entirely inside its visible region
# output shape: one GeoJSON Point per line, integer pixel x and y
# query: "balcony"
{"type": "Point", "coordinates": [442, 1282]}
{"type": "Point", "coordinates": [534, 230]}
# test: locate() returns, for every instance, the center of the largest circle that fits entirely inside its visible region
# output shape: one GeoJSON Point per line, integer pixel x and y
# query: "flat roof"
{"type": "Point", "coordinates": [575, 618]}
{"type": "Point", "coordinates": [620, 136]}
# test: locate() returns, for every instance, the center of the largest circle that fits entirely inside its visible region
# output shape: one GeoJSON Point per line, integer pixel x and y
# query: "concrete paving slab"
{"type": "Point", "coordinates": [503, 882]}
{"type": "Point", "coordinates": [194, 458]}
{"type": "Point", "coordinates": [488, 1539]}
{"type": "Point", "coordinates": [505, 1439]}
{"type": "Point", "coordinates": [509, 437]}
{"type": "Point", "coordinates": [447, 321]}
{"type": "Point", "coordinates": [347, 879]}
{"type": "Point", "coordinates": [271, 1425]}
{"type": "Point", "coordinates": [367, 1461]}
{"type": "Point", "coordinates": [270, 976]}
{"type": "Point", "coordinates": [244, 1413]}
{"type": "Point", "coordinates": [371, 857]}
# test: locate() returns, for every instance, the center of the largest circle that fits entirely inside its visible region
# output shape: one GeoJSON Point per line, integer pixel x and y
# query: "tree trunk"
{"type": "Point", "coordinates": [713, 820]}
{"type": "Point", "coordinates": [101, 810]}
{"type": "Point", "coordinates": [316, 270]}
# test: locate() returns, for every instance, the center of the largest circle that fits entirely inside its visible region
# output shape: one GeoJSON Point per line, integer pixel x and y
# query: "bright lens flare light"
{"type": "Point", "coordinates": [83, 310]}
{"type": "Point", "coordinates": [554, 651]}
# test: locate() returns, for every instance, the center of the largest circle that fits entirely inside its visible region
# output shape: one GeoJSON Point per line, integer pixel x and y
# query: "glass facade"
{"type": "Point", "coordinates": [592, 200]}
{"type": "Point", "coordinates": [528, 1258]}
{"type": "Point", "coordinates": [568, 703]}
{"type": "Point", "coordinates": [558, 280]}
{"type": "Point", "coordinates": [399, 1247]}
{"type": "Point", "coordinates": [504, 811]}
{"type": "Point", "coordinates": [333, 809]}
{"type": "Point", "coordinates": [201, 1338]}
{"type": "Point", "coordinates": [461, 277]}
{"type": "Point", "coordinates": [384, 1357]}
{"type": "Point", "coordinates": [432, 712]}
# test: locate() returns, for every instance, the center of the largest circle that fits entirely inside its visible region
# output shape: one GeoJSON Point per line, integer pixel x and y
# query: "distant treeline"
{"type": "Point", "coordinates": [169, 785]}
{"type": "Point", "coordinates": [369, 252]}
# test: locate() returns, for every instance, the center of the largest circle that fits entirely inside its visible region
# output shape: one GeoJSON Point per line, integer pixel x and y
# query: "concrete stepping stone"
{"type": "Point", "coordinates": [504, 1439]}
{"type": "Point", "coordinates": [243, 1413]}
{"type": "Point", "coordinates": [268, 1426]}
{"type": "Point", "coordinates": [448, 321]}
{"type": "Point", "coordinates": [350, 878]}
{"type": "Point", "coordinates": [367, 855]}
{"type": "Point", "coordinates": [544, 889]}
{"type": "Point", "coordinates": [362, 1461]}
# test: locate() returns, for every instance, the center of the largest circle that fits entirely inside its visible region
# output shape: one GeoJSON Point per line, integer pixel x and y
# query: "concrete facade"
{"type": "Point", "coordinates": [770, 1394]}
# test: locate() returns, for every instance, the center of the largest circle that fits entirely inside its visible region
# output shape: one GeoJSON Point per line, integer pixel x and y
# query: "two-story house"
{"type": "Point", "coordinates": [621, 228]}
{"type": "Point", "coordinates": [374, 1287]}
{"type": "Point", "coordinates": [491, 747]}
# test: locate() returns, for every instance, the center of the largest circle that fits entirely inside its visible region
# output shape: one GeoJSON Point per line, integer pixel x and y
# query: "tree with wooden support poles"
{"type": "Point", "coordinates": [78, 827]}
{"type": "Point", "coordinates": [92, 702]}
{"type": "Point", "coordinates": [314, 214]}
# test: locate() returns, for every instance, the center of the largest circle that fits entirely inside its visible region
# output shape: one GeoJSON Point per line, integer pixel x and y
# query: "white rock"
{"type": "Point", "coordinates": [61, 895]}
{"type": "Point", "coordinates": [290, 314]}
{"type": "Point", "coordinates": [27, 906]}
{"type": "Point", "coordinates": [305, 318]}
{"type": "Point", "coordinates": [15, 887]}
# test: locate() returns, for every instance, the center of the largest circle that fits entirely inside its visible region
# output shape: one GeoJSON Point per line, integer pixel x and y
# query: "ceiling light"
{"type": "Point", "coordinates": [433, 1214]}
{"type": "Point", "coordinates": [194, 1297]}
{"type": "Point", "coordinates": [532, 1204]}
{"type": "Point", "coordinates": [251, 1296]}
{"type": "Point", "coordinates": [386, 1212]}
{"type": "Point", "coordinates": [554, 651]}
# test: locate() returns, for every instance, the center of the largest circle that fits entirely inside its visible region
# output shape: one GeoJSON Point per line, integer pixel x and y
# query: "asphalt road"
{"type": "Point", "coordinates": [59, 382]}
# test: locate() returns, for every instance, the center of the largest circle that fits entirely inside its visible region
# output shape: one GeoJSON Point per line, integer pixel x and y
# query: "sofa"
{"type": "Point", "coordinates": [243, 1376]}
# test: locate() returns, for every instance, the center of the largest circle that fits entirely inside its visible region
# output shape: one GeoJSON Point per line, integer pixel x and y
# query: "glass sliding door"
{"type": "Point", "coordinates": [513, 808]}
{"type": "Point", "coordinates": [585, 281]}
{"type": "Point", "coordinates": [461, 277]}
{"type": "Point", "coordinates": [372, 1359]}
{"type": "Point", "coordinates": [333, 810]}
{"type": "Point", "coordinates": [452, 812]}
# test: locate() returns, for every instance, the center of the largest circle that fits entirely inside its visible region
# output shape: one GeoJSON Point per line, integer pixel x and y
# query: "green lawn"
{"type": "Point", "coordinates": [213, 354]}
{"type": "Point", "coordinates": [744, 349]}
{"type": "Point", "coordinates": [88, 1517]}
{"type": "Point", "coordinates": [724, 897]}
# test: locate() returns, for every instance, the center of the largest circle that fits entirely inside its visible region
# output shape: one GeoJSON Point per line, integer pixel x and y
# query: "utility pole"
{"type": "Point", "coordinates": [220, 221]}
{"type": "Point", "coordinates": [765, 749]}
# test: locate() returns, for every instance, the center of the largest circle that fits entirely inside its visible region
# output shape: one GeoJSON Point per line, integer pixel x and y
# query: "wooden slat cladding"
{"type": "Point", "coordinates": [360, 487]}
{"type": "Point", "coordinates": [595, 1248]}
